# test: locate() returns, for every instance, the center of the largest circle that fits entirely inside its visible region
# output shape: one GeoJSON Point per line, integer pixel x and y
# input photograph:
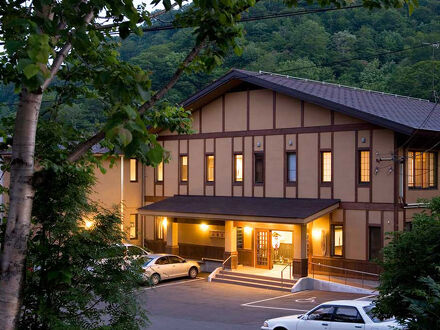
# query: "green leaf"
{"type": "Point", "coordinates": [125, 136]}
{"type": "Point", "coordinates": [31, 70]}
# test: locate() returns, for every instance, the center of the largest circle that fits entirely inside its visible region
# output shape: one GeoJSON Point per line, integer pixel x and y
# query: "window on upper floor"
{"type": "Point", "coordinates": [291, 167]}
{"type": "Point", "coordinates": [159, 172]}
{"type": "Point", "coordinates": [133, 226]}
{"type": "Point", "coordinates": [133, 170]}
{"type": "Point", "coordinates": [210, 167]}
{"type": "Point", "coordinates": [422, 170]}
{"type": "Point", "coordinates": [184, 168]}
{"type": "Point", "coordinates": [238, 167]}
{"type": "Point", "coordinates": [337, 240]}
{"type": "Point", "coordinates": [364, 166]}
{"type": "Point", "coordinates": [326, 166]}
{"type": "Point", "coordinates": [259, 167]}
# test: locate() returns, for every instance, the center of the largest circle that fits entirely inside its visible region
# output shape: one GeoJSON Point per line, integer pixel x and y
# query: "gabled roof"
{"type": "Point", "coordinates": [400, 113]}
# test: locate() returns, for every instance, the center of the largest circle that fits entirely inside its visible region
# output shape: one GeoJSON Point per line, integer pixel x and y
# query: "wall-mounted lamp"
{"type": "Point", "coordinates": [165, 222]}
{"type": "Point", "coordinates": [204, 226]}
{"type": "Point", "coordinates": [88, 224]}
{"type": "Point", "coordinates": [290, 142]}
{"type": "Point", "coordinates": [258, 144]}
{"type": "Point", "coordinates": [248, 230]}
{"type": "Point", "coordinates": [316, 233]}
{"type": "Point", "coordinates": [363, 140]}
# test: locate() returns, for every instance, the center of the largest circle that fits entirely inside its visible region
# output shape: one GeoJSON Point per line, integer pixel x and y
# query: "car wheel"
{"type": "Point", "coordinates": [193, 272]}
{"type": "Point", "coordinates": [279, 328]}
{"type": "Point", "coordinates": [155, 279]}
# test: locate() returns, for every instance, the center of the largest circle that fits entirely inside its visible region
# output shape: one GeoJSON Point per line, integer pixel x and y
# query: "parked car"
{"type": "Point", "coordinates": [334, 315]}
{"type": "Point", "coordinates": [136, 251]}
{"type": "Point", "coordinates": [158, 267]}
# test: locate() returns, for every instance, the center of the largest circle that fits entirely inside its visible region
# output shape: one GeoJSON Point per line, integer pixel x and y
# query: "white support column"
{"type": "Point", "coordinates": [230, 245]}
{"type": "Point", "coordinates": [172, 237]}
{"type": "Point", "coordinates": [300, 261]}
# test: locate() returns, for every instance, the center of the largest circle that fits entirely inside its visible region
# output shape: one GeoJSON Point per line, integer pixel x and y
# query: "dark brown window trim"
{"type": "Point", "coordinates": [264, 168]}
{"type": "Point", "coordinates": [180, 169]}
{"type": "Point", "coordinates": [359, 183]}
{"type": "Point", "coordinates": [321, 166]}
{"type": "Point", "coordinates": [286, 171]}
{"type": "Point", "coordinates": [137, 170]}
{"type": "Point", "coordinates": [234, 182]}
{"type": "Point", "coordinates": [156, 181]}
{"type": "Point", "coordinates": [332, 250]}
{"type": "Point", "coordinates": [415, 150]}
{"type": "Point", "coordinates": [209, 183]}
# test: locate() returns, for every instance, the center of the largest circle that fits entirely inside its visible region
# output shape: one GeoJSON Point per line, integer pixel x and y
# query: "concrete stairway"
{"type": "Point", "coordinates": [255, 281]}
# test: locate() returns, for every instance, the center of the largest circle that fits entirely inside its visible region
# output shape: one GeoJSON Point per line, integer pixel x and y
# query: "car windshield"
{"type": "Point", "coordinates": [147, 261]}
{"type": "Point", "coordinates": [369, 310]}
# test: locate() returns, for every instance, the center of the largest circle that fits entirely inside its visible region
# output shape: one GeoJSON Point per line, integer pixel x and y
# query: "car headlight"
{"type": "Point", "coordinates": [266, 324]}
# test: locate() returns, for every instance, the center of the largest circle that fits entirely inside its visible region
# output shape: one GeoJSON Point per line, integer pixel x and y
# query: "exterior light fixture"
{"type": "Point", "coordinates": [258, 144]}
{"type": "Point", "coordinates": [290, 142]}
{"type": "Point", "coordinates": [316, 233]}
{"type": "Point", "coordinates": [88, 224]}
{"type": "Point", "coordinates": [165, 222]}
{"type": "Point", "coordinates": [204, 226]}
{"type": "Point", "coordinates": [248, 230]}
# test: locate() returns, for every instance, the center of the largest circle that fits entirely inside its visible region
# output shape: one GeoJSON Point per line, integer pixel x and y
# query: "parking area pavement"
{"type": "Point", "coordinates": [198, 304]}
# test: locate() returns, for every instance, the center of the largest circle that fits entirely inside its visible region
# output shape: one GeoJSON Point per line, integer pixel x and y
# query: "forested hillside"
{"type": "Point", "coordinates": [353, 47]}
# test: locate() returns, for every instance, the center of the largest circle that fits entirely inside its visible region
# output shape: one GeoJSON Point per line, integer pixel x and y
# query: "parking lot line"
{"type": "Point", "coordinates": [370, 296]}
{"type": "Point", "coordinates": [277, 297]}
{"type": "Point", "coordinates": [174, 283]}
{"type": "Point", "coordinates": [282, 308]}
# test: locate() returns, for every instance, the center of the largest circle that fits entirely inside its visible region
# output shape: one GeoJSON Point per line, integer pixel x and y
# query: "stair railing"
{"type": "Point", "coordinates": [290, 272]}
{"type": "Point", "coordinates": [224, 262]}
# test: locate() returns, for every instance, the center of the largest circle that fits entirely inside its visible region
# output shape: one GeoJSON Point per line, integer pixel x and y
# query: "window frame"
{"type": "Point", "coordinates": [370, 258]}
{"type": "Point", "coordinates": [332, 240]}
{"type": "Point", "coordinates": [235, 181]}
{"type": "Point", "coordinates": [136, 170]}
{"type": "Point", "coordinates": [135, 226]}
{"type": "Point", "coordinates": [288, 182]}
{"type": "Point", "coordinates": [359, 167]}
{"type": "Point", "coordinates": [181, 156]}
{"type": "Point", "coordinates": [259, 154]}
{"type": "Point", "coordinates": [321, 167]}
{"type": "Point", "coordinates": [156, 173]}
{"type": "Point", "coordinates": [207, 155]}
{"type": "Point", "coordinates": [414, 170]}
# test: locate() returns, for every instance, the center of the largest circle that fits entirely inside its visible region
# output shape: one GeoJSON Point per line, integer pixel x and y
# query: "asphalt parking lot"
{"type": "Point", "coordinates": [198, 304]}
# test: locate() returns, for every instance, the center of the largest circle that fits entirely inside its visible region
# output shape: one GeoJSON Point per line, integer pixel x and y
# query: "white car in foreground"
{"type": "Point", "coordinates": [158, 267]}
{"type": "Point", "coordinates": [334, 315]}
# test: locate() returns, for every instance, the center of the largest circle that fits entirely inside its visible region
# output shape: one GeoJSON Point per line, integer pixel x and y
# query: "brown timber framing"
{"type": "Point", "coordinates": [266, 132]}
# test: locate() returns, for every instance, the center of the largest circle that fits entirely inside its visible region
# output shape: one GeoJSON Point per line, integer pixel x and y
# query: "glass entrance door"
{"type": "Point", "coordinates": [262, 248]}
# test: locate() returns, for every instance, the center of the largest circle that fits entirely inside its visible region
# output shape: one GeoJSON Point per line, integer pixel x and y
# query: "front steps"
{"type": "Point", "coordinates": [251, 280]}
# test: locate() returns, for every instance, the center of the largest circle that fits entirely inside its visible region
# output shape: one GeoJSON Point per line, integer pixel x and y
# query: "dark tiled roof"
{"type": "Point", "coordinates": [297, 208]}
{"type": "Point", "coordinates": [400, 113]}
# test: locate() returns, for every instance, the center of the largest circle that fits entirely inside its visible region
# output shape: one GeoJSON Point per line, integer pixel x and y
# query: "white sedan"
{"type": "Point", "coordinates": [158, 267]}
{"type": "Point", "coordinates": [334, 315]}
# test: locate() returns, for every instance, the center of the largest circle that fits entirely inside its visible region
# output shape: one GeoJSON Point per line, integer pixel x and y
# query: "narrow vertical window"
{"type": "Point", "coordinates": [259, 167]}
{"type": "Point", "coordinates": [210, 161]}
{"type": "Point", "coordinates": [432, 168]}
{"type": "Point", "coordinates": [184, 168]}
{"type": "Point", "coordinates": [291, 167]}
{"type": "Point", "coordinates": [133, 170]}
{"type": "Point", "coordinates": [133, 226]}
{"type": "Point", "coordinates": [374, 242]}
{"type": "Point", "coordinates": [410, 169]}
{"type": "Point", "coordinates": [159, 172]}
{"type": "Point", "coordinates": [326, 166]}
{"type": "Point", "coordinates": [364, 166]}
{"type": "Point", "coordinates": [240, 244]}
{"type": "Point", "coordinates": [337, 240]}
{"type": "Point", "coordinates": [238, 168]}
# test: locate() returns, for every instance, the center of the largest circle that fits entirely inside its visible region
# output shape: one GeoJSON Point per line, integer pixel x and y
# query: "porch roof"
{"type": "Point", "coordinates": [280, 210]}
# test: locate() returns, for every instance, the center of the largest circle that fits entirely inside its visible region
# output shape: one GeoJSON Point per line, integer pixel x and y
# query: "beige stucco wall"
{"type": "Point", "coordinates": [274, 171]}
{"type": "Point", "coordinates": [223, 167]}
{"type": "Point", "coordinates": [355, 234]}
{"type": "Point", "coordinates": [383, 181]}
{"type": "Point", "coordinates": [319, 235]}
{"type": "Point", "coordinates": [288, 111]}
{"type": "Point", "coordinates": [261, 109]}
{"type": "Point", "coordinates": [236, 111]}
{"type": "Point", "coordinates": [196, 167]}
{"type": "Point", "coordinates": [212, 116]}
{"type": "Point", "coordinates": [344, 166]}
{"type": "Point", "coordinates": [308, 165]}
{"type": "Point", "coordinates": [315, 115]}
{"type": "Point", "coordinates": [171, 170]}
{"type": "Point", "coordinates": [194, 234]}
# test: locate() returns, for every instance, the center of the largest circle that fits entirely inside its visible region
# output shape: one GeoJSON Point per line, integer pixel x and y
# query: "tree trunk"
{"type": "Point", "coordinates": [21, 196]}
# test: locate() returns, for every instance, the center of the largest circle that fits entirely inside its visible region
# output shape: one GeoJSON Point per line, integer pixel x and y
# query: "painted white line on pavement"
{"type": "Point", "coordinates": [370, 296]}
{"type": "Point", "coordinates": [278, 297]}
{"type": "Point", "coordinates": [279, 308]}
{"type": "Point", "coordinates": [171, 284]}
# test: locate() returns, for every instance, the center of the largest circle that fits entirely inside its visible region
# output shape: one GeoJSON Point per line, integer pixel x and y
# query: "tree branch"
{"type": "Point", "coordinates": [82, 148]}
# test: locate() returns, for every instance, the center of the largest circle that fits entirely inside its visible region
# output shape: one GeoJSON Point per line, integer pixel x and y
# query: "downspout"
{"type": "Point", "coordinates": [122, 193]}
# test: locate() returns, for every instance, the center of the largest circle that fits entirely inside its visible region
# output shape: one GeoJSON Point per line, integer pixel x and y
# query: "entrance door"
{"type": "Point", "coordinates": [262, 248]}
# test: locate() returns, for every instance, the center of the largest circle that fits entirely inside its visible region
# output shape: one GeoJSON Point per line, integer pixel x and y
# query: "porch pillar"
{"type": "Point", "coordinates": [300, 261]}
{"type": "Point", "coordinates": [230, 245]}
{"type": "Point", "coordinates": [172, 237]}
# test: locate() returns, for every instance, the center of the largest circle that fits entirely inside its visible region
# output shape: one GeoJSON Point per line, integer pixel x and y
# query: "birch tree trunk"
{"type": "Point", "coordinates": [21, 196]}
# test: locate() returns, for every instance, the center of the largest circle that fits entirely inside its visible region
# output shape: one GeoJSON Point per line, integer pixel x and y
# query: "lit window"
{"type": "Point", "coordinates": [291, 167]}
{"type": "Point", "coordinates": [337, 240]}
{"type": "Point", "coordinates": [326, 166]}
{"type": "Point", "coordinates": [159, 172]}
{"type": "Point", "coordinates": [364, 166]}
{"type": "Point", "coordinates": [184, 168]}
{"type": "Point", "coordinates": [422, 169]}
{"type": "Point", "coordinates": [133, 226]}
{"type": "Point", "coordinates": [210, 168]}
{"type": "Point", "coordinates": [133, 170]}
{"type": "Point", "coordinates": [259, 168]}
{"type": "Point", "coordinates": [238, 168]}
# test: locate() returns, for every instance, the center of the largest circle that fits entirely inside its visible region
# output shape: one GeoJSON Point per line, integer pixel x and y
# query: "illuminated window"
{"type": "Point", "coordinates": [259, 168]}
{"type": "Point", "coordinates": [422, 170]}
{"type": "Point", "coordinates": [210, 168]}
{"type": "Point", "coordinates": [159, 172]}
{"type": "Point", "coordinates": [291, 167]}
{"type": "Point", "coordinates": [364, 166]}
{"type": "Point", "coordinates": [184, 168]}
{"type": "Point", "coordinates": [133, 226]}
{"type": "Point", "coordinates": [337, 240]}
{"type": "Point", "coordinates": [238, 168]}
{"type": "Point", "coordinates": [326, 166]}
{"type": "Point", "coordinates": [160, 223]}
{"type": "Point", "coordinates": [133, 170]}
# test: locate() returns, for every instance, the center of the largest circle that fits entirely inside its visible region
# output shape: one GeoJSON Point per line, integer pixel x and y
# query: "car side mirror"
{"type": "Point", "coordinates": [303, 317]}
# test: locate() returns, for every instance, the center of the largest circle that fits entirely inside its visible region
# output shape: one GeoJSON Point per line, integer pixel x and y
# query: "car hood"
{"type": "Point", "coordinates": [284, 318]}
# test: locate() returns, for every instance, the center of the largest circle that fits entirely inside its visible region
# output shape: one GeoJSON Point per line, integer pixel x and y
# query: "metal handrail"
{"type": "Point", "coordinates": [290, 272]}
{"type": "Point", "coordinates": [345, 269]}
{"type": "Point", "coordinates": [224, 262]}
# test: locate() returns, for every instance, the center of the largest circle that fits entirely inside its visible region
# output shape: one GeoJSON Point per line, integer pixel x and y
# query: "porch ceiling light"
{"type": "Point", "coordinates": [316, 233]}
{"type": "Point", "coordinates": [248, 230]}
{"type": "Point", "coordinates": [204, 226]}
